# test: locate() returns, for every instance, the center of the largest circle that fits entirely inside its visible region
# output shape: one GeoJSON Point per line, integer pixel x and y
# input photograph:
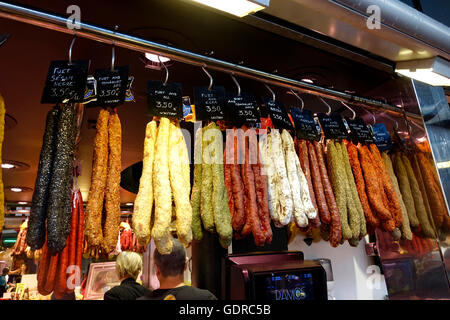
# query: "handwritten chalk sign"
{"type": "Point", "coordinates": [359, 131]}
{"type": "Point", "coordinates": [278, 114]}
{"type": "Point", "coordinates": [333, 126]}
{"type": "Point", "coordinates": [111, 85]}
{"type": "Point", "coordinates": [209, 104]}
{"type": "Point", "coordinates": [164, 100]}
{"type": "Point", "coordinates": [64, 82]}
{"type": "Point", "coordinates": [305, 125]}
{"type": "Point", "coordinates": [242, 109]}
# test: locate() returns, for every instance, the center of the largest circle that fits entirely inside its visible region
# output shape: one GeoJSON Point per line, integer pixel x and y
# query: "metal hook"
{"type": "Point", "coordinates": [70, 48]}
{"type": "Point", "coordinates": [329, 108]}
{"type": "Point", "coordinates": [373, 116]}
{"type": "Point", "coordinates": [389, 117]}
{"type": "Point", "coordinates": [353, 111]}
{"type": "Point", "coordinates": [113, 57]}
{"type": "Point", "coordinates": [298, 97]}
{"type": "Point", "coordinates": [417, 125]}
{"type": "Point", "coordinates": [273, 93]}
{"type": "Point", "coordinates": [237, 84]}
{"type": "Point", "coordinates": [210, 78]}
{"type": "Point", "coordinates": [167, 71]}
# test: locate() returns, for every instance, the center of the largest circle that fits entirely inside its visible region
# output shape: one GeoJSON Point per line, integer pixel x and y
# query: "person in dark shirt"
{"type": "Point", "coordinates": [170, 272]}
{"type": "Point", "coordinates": [128, 267]}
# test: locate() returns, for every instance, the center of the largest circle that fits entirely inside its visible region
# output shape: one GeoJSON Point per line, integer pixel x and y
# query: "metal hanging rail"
{"type": "Point", "coordinates": [89, 31]}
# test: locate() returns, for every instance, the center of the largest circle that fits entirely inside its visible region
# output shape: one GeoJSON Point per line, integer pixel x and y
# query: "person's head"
{"type": "Point", "coordinates": [5, 271]}
{"type": "Point", "coordinates": [173, 264]}
{"type": "Point", "coordinates": [128, 265]}
{"type": "Point", "coordinates": [23, 268]}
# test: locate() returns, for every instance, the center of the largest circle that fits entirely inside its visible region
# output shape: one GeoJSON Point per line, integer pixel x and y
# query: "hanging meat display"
{"type": "Point", "coordinates": [165, 176]}
{"type": "Point", "coordinates": [21, 248]}
{"type": "Point", "coordinates": [209, 198]}
{"type": "Point", "coordinates": [51, 209]}
{"type": "Point", "coordinates": [143, 203]}
{"type": "Point", "coordinates": [103, 207]}
{"type": "Point", "coordinates": [56, 268]}
{"type": "Point", "coordinates": [247, 186]}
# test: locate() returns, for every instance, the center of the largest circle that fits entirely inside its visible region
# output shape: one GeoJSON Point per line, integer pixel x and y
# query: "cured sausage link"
{"type": "Point", "coordinates": [335, 229]}
{"type": "Point", "coordinates": [93, 230]}
{"type": "Point", "coordinates": [38, 212]}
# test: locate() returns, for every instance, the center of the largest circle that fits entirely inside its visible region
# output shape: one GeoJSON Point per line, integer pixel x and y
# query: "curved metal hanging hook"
{"type": "Point", "coordinates": [70, 48]}
{"type": "Point", "coordinates": [389, 117]}
{"type": "Point", "coordinates": [167, 71]}
{"type": "Point", "coordinates": [210, 78]}
{"type": "Point", "coordinates": [373, 116]}
{"type": "Point", "coordinates": [329, 108]}
{"type": "Point", "coordinates": [298, 97]}
{"type": "Point", "coordinates": [113, 56]}
{"type": "Point", "coordinates": [273, 93]}
{"type": "Point", "coordinates": [353, 111]}
{"type": "Point", "coordinates": [237, 84]}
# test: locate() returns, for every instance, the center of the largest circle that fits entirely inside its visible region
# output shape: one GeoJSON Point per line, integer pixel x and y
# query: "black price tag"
{"type": "Point", "coordinates": [278, 115]}
{"type": "Point", "coordinates": [305, 125]}
{"type": "Point", "coordinates": [333, 126]}
{"type": "Point", "coordinates": [111, 85]}
{"type": "Point", "coordinates": [242, 109]}
{"type": "Point", "coordinates": [65, 82]}
{"type": "Point", "coordinates": [209, 104]}
{"type": "Point", "coordinates": [382, 137]}
{"type": "Point", "coordinates": [164, 100]}
{"type": "Point", "coordinates": [359, 131]}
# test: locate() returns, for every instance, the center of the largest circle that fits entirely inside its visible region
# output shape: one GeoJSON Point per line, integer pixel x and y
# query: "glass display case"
{"type": "Point", "coordinates": [101, 277]}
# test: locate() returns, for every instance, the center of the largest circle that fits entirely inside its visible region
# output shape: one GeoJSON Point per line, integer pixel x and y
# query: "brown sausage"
{"type": "Point", "coordinates": [262, 199]}
{"type": "Point", "coordinates": [393, 201]}
{"type": "Point", "coordinates": [253, 222]}
{"type": "Point", "coordinates": [371, 218]}
{"type": "Point", "coordinates": [335, 222]}
{"type": "Point", "coordinates": [42, 272]}
{"type": "Point", "coordinates": [302, 152]}
{"type": "Point", "coordinates": [374, 189]}
{"type": "Point", "coordinates": [238, 219]}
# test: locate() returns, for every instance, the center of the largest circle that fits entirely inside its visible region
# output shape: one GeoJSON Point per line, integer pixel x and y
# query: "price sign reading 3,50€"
{"type": "Point", "coordinates": [65, 83]}
{"type": "Point", "coordinates": [164, 100]}
{"type": "Point", "coordinates": [209, 104]}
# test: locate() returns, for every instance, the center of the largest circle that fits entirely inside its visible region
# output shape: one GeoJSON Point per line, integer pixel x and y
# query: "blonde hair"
{"type": "Point", "coordinates": [128, 263]}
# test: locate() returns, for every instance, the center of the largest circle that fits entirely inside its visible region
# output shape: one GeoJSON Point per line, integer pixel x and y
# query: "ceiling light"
{"type": "Point", "coordinates": [129, 204]}
{"type": "Point", "coordinates": [434, 71]}
{"type": "Point", "coordinates": [238, 8]}
{"type": "Point", "coordinates": [443, 165]}
{"type": "Point", "coordinates": [15, 165]}
{"type": "Point", "coordinates": [22, 202]}
{"type": "Point", "coordinates": [18, 189]}
{"type": "Point", "coordinates": [308, 80]}
{"type": "Point", "coordinates": [154, 57]}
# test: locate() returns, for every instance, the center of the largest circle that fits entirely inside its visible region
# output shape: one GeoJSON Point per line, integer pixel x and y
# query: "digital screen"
{"type": "Point", "coordinates": [289, 287]}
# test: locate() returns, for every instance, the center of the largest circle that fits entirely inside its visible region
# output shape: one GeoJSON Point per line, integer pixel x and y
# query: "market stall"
{"type": "Point", "coordinates": [224, 171]}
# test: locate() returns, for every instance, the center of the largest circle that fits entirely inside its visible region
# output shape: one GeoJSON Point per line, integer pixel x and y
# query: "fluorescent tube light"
{"type": "Point", "coordinates": [434, 71]}
{"type": "Point", "coordinates": [443, 165]}
{"type": "Point", "coordinates": [238, 8]}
